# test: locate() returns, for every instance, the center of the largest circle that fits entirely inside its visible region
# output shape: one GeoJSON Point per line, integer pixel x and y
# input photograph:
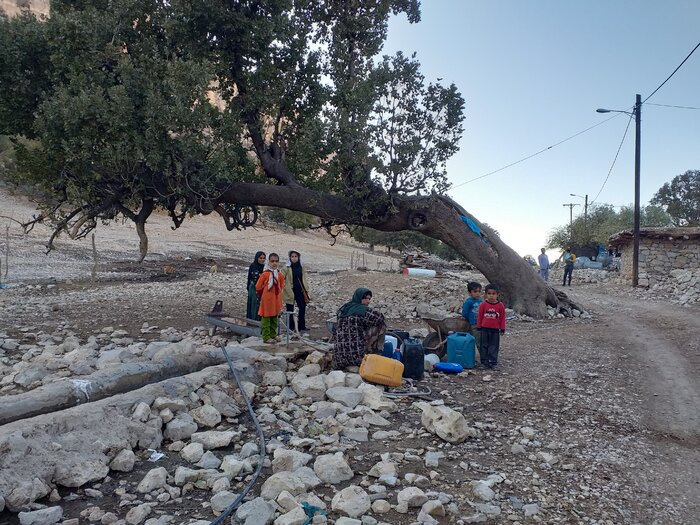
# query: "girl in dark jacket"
{"type": "Point", "coordinates": [254, 272]}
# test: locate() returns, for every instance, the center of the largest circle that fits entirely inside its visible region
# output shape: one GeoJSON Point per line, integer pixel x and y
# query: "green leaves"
{"type": "Point", "coordinates": [681, 198]}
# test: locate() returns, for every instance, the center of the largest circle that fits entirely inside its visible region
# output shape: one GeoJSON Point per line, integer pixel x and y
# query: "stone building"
{"type": "Point", "coordinates": [664, 253]}
{"type": "Point", "coordinates": [15, 7]}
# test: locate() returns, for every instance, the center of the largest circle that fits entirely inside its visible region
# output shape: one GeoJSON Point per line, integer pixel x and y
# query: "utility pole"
{"type": "Point", "coordinates": [637, 155]}
{"type": "Point", "coordinates": [585, 209]}
{"type": "Point", "coordinates": [571, 212]}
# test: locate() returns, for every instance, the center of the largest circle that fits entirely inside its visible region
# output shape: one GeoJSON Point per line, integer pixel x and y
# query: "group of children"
{"type": "Point", "coordinates": [487, 319]}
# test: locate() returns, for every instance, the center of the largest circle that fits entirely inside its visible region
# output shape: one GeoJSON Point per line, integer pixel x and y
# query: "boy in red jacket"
{"type": "Point", "coordinates": [491, 322]}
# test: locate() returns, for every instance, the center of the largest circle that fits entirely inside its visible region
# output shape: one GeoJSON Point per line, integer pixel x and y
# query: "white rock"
{"type": "Point", "coordinates": [352, 501]}
{"type": "Point", "coordinates": [47, 516]}
{"type": "Point", "coordinates": [296, 516]}
{"type": "Point", "coordinates": [255, 512]}
{"type": "Point", "coordinates": [192, 452]}
{"type": "Point", "coordinates": [154, 479]}
{"type": "Point", "coordinates": [274, 378]}
{"type": "Point", "coordinates": [313, 387]}
{"type": "Point", "coordinates": [280, 481]}
{"type": "Point", "coordinates": [433, 508]}
{"type": "Point", "coordinates": [383, 468]}
{"type": "Point", "coordinates": [181, 427]}
{"type": "Point", "coordinates": [220, 501]}
{"type": "Point", "coordinates": [206, 416]}
{"type": "Point", "coordinates": [214, 439]}
{"type": "Point", "coordinates": [344, 520]}
{"type": "Point", "coordinates": [232, 466]}
{"type": "Point", "coordinates": [335, 378]}
{"type": "Point", "coordinates": [312, 369]}
{"type": "Point", "coordinates": [350, 397]}
{"type": "Point", "coordinates": [78, 474]}
{"type": "Point", "coordinates": [531, 509]}
{"type": "Point", "coordinates": [291, 460]}
{"type": "Point", "coordinates": [482, 491]}
{"type": "Point", "coordinates": [137, 515]}
{"type": "Point", "coordinates": [411, 497]}
{"type": "Point", "coordinates": [381, 506]}
{"type": "Point", "coordinates": [446, 423]}
{"type": "Point", "coordinates": [124, 461]}
{"type": "Point", "coordinates": [333, 468]}
{"type": "Point", "coordinates": [527, 432]}
{"type": "Point", "coordinates": [142, 412]}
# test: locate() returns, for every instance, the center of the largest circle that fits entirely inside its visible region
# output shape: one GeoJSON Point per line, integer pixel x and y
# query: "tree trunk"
{"type": "Point", "coordinates": [435, 216]}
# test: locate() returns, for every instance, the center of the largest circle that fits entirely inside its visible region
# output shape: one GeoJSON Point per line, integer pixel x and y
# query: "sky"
{"type": "Point", "coordinates": [532, 73]}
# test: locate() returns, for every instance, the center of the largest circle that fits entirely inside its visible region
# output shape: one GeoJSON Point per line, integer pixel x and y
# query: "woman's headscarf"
{"type": "Point", "coordinates": [255, 269]}
{"type": "Point", "coordinates": [289, 261]}
{"type": "Point", "coordinates": [355, 306]}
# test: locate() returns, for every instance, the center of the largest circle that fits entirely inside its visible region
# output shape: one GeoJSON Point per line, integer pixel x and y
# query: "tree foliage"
{"type": "Point", "coordinates": [192, 106]}
{"type": "Point", "coordinates": [602, 222]}
{"type": "Point", "coordinates": [681, 198]}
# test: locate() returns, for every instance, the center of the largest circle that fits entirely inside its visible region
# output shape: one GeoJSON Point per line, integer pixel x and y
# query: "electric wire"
{"type": "Point", "coordinates": [261, 450]}
{"type": "Point", "coordinates": [674, 72]}
{"type": "Point", "coordinates": [629, 121]}
{"type": "Point", "coordinates": [671, 106]}
{"type": "Point", "coordinates": [536, 153]}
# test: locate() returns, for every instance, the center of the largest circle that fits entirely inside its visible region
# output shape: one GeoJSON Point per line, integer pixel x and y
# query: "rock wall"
{"type": "Point", "coordinates": [15, 7]}
{"type": "Point", "coordinates": [663, 263]}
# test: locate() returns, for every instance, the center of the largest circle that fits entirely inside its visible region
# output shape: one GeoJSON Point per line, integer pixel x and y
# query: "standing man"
{"type": "Point", "coordinates": [543, 261]}
{"type": "Point", "coordinates": [569, 260]}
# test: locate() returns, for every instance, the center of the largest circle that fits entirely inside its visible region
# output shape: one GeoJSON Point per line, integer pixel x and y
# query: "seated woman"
{"type": "Point", "coordinates": [360, 330]}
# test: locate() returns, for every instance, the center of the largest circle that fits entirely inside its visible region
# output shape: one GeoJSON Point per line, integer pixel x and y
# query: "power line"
{"type": "Point", "coordinates": [670, 106]}
{"type": "Point", "coordinates": [674, 72]}
{"type": "Point", "coordinates": [629, 121]}
{"type": "Point", "coordinates": [536, 153]}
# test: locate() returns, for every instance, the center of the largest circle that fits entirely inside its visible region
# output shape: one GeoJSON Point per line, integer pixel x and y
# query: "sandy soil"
{"type": "Point", "coordinates": [617, 397]}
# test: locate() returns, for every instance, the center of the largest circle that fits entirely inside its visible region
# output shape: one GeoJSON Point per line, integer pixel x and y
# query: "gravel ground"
{"type": "Point", "coordinates": [594, 420]}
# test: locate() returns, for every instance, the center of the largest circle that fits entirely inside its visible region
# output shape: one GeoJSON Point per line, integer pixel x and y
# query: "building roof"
{"type": "Point", "coordinates": [672, 234]}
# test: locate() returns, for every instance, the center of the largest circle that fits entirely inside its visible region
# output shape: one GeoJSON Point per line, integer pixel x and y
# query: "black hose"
{"type": "Point", "coordinates": [261, 436]}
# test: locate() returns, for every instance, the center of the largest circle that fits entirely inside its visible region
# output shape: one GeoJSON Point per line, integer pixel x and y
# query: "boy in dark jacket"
{"type": "Point", "coordinates": [491, 322]}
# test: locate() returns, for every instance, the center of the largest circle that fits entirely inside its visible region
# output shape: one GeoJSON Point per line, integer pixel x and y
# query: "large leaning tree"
{"type": "Point", "coordinates": [122, 107]}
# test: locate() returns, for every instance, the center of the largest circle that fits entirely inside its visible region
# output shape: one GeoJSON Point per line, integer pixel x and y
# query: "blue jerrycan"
{"type": "Point", "coordinates": [461, 349]}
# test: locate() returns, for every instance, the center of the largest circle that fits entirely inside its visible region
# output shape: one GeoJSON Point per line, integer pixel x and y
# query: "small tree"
{"type": "Point", "coordinates": [681, 198]}
{"type": "Point", "coordinates": [602, 222]}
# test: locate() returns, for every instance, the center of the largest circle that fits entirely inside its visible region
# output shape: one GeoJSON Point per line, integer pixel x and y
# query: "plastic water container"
{"type": "Point", "coordinates": [418, 272]}
{"type": "Point", "coordinates": [461, 349]}
{"type": "Point", "coordinates": [394, 342]}
{"type": "Point", "coordinates": [413, 359]}
{"type": "Point", "coordinates": [388, 350]}
{"type": "Point", "coordinates": [430, 361]}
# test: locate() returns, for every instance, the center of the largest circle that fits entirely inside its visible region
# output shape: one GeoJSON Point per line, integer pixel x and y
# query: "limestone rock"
{"type": "Point", "coordinates": [124, 461]}
{"type": "Point", "coordinates": [291, 460]}
{"type": "Point", "coordinates": [333, 468]}
{"type": "Point", "coordinates": [181, 427]}
{"type": "Point", "coordinates": [214, 438]}
{"type": "Point", "coordinates": [154, 479]}
{"type": "Point", "coordinates": [206, 416]}
{"type": "Point", "coordinates": [350, 397]}
{"type": "Point", "coordinates": [47, 516]}
{"type": "Point", "coordinates": [79, 473]}
{"type": "Point", "coordinates": [296, 516]}
{"type": "Point", "coordinates": [221, 501]}
{"type": "Point", "coordinates": [275, 484]}
{"type": "Point", "coordinates": [138, 514]}
{"type": "Point", "coordinates": [255, 512]}
{"type": "Point", "coordinates": [192, 452]}
{"type": "Point", "coordinates": [352, 501]}
{"type": "Point", "coordinates": [313, 387]}
{"type": "Point", "coordinates": [446, 423]}
{"type": "Point", "coordinates": [411, 497]}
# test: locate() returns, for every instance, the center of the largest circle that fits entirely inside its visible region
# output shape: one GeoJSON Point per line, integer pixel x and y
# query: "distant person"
{"type": "Point", "coordinates": [296, 289]}
{"type": "Point", "coordinates": [491, 321]}
{"type": "Point", "coordinates": [543, 261]}
{"type": "Point", "coordinates": [269, 288]}
{"type": "Point", "coordinates": [470, 309]}
{"type": "Point", "coordinates": [360, 330]}
{"type": "Point", "coordinates": [255, 270]}
{"type": "Point", "coordinates": [569, 260]}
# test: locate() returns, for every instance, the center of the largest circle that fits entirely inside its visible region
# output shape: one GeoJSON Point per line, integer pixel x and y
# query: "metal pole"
{"type": "Point", "coordinates": [571, 212]}
{"type": "Point", "coordinates": [637, 155]}
{"type": "Point", "coordinates": [585, 209]}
